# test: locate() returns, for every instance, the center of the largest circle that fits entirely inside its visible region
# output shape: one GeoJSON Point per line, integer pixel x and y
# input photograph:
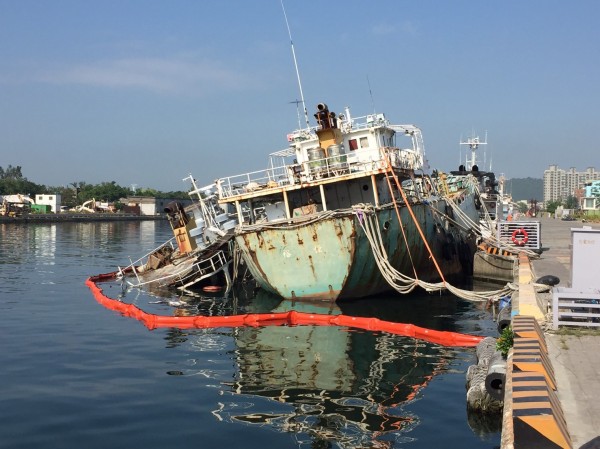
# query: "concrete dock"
{"type": "Point", "coordinates": [573, 353]}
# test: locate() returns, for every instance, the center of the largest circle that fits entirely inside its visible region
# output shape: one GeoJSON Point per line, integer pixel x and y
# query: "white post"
{"type": "Point", "coordinates": [375, 194]}
{"type": "Point", "coordinates": [238, 208]}
{"type": "Point", "coordinates": [287, 205]}
{"type": "Point", "coordinates": [322, 190]}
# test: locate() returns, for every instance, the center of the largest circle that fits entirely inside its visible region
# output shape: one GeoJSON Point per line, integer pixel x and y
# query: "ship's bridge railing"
{"type": "Point", "coordinates": [355, 123]}
{"type": "Point", "coordinates": [317, 169]}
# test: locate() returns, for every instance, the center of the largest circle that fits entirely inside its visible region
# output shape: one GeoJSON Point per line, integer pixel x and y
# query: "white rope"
{"type": "Point", "coordinates": [476, 227]}
{"type": "Point", "coordinates": [292, 223]}
{"type": "Point", "coordinates": [405, 284]}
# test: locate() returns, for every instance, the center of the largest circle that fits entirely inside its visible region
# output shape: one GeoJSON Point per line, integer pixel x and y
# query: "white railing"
{"type": "Point", "coordinates": [317, 169]}
{"type": "Point", "coordinates": [206, 268]}
{"type": "Point", "coordinates": [356, 123]}
{"type": "Point", "coordinates": [144, 259]}
{"type": "Point", "coordinates": [572, 307]}
{"type": "Point", "coordinates": [201, 269]}
{"type": "Point", "coordinates": [213, 264]}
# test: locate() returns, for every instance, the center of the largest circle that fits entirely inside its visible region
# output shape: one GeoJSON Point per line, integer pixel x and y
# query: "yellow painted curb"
{"type": "Point", "coordinates": [537, 417]}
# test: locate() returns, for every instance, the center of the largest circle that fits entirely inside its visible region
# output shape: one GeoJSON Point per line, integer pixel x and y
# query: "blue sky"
{"type": "Point", "coordinates": [146, 92]}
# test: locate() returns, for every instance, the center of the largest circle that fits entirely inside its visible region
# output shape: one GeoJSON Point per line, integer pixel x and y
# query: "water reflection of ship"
{"type": "Point", "coordinates": [343, 386]}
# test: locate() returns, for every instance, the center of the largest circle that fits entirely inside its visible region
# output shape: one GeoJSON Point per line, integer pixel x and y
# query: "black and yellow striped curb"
{"type": "Point", "coordinates": [525, 326]}
{"type": "Point", "coordinates": [529, 356]}
{"type": "Point", "coordinates": [538, 420]}
{"type": "Point", "coordinates": [494, 250]}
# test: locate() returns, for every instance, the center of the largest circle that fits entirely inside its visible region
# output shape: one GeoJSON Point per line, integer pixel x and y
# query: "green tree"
{"type": "Point", "coordinates": [571, 202]}
{"type": "Point", "coordinates": [178, 195]}
{"type": "Point", "coordinates": [11, 172]}
{"type": "Point", "coordinates": [147, 192]}
{"type": "Point", "coordinates": [551, 206]}
{"type": "Point", "coordinates": [106, 191]}
{"type": "Point", "coordinates": [12, 181]}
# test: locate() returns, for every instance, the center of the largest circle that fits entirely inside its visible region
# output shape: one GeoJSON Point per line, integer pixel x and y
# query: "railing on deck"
{"type": "Point", "coordinates": [144, 259]}
{"type": "Point", "coordinates": [317, 169]}
{"type": "Point", "coordinates": [212, 264]}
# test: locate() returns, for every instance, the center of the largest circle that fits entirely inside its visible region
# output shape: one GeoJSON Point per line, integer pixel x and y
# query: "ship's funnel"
{"type": "Point", "coordinates": [176, 214]}
{"type": "Point", "coordinates": [325, 118]}
{"type": "Point", "coordinates": [328, 132]}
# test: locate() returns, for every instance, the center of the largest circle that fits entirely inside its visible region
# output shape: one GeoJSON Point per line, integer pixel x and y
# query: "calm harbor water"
{"type": "Point", "coordinates": [75, 374]}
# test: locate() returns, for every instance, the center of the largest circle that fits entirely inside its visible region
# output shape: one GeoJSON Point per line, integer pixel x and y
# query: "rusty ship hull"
{"type": "Point", "coordinates": [331, 258]}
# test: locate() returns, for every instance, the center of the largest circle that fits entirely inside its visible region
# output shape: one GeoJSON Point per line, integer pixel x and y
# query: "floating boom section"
{"type": "Point", "coordinates": [291, 318]}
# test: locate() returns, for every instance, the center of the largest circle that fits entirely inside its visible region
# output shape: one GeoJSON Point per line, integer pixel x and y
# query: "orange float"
{"type": "Point", "coordinates": [291, 318]}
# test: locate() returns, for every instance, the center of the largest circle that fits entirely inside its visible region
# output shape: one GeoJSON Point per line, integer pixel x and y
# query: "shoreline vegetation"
{"type": "Point", "coordinates": [76, 193]}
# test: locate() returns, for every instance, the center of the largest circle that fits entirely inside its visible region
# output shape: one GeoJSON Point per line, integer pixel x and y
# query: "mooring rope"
{"type": "Point", "coordinates": [476, 227]}
{"type": "Point", "coordinates": [405, 284]}
{"type": "Point", "coordinates": [412, 214]}
{"type": "Point", "coordinates": [387, 178]}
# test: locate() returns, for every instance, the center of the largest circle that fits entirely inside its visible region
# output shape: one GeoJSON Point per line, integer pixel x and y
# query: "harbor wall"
{"type": "Point", "coordinates": [68, 217]}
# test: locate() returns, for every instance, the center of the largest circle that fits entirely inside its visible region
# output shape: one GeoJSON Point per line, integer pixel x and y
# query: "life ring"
{"type": "Point", "coordinates": [520, 237]}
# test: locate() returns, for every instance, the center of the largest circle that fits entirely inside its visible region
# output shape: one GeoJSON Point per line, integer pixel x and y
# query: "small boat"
{"type": "Point", "coordinates": [347, 210]}
{"type": "Point", "coordinates": [198, 255]}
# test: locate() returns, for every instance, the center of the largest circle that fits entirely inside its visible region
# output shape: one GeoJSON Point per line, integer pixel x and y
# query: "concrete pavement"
{"type": "Point", "coordinates": [574, 357]}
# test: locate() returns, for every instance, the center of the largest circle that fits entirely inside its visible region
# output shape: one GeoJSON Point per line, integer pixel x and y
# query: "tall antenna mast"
{"type": "Point", "coordinates": [473, 144]}
{"type": "Point", "coordinates": [371, 94]}
{"type": "Point", "coordinates": [296, 65]}
{"type": "Point", "coordinates": [297, 102]}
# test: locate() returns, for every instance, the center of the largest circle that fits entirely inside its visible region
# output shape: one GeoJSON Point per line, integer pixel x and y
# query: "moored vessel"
{"type": "Point", "coordinates": [349, 210]}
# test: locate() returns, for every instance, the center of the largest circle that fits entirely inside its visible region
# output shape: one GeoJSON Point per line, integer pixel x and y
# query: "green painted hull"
{"type": "Point", "coordinates": [331, 258]}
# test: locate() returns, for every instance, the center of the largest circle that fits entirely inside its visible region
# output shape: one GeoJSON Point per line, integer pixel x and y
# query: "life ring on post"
{"type": "Point", "coordinates": [520, 237]}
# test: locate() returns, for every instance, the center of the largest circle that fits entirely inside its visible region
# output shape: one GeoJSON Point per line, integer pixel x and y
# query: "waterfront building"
{"type": "Point", "coordinates": [560, 184]}
{"type": "Point", "coordinates": [591, 198]}
{"type": "Point", "coordinates": [146, 205]}
{"type": "Point", "coordinates": [53, 200]}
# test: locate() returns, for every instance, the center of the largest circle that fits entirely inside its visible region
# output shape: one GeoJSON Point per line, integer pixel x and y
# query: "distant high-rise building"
{"type": "Point", "coordinates": [560, 184]}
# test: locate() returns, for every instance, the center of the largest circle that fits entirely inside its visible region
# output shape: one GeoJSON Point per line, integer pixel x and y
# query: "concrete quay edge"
{"type": "Point", "coordinates": [545, 429]}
